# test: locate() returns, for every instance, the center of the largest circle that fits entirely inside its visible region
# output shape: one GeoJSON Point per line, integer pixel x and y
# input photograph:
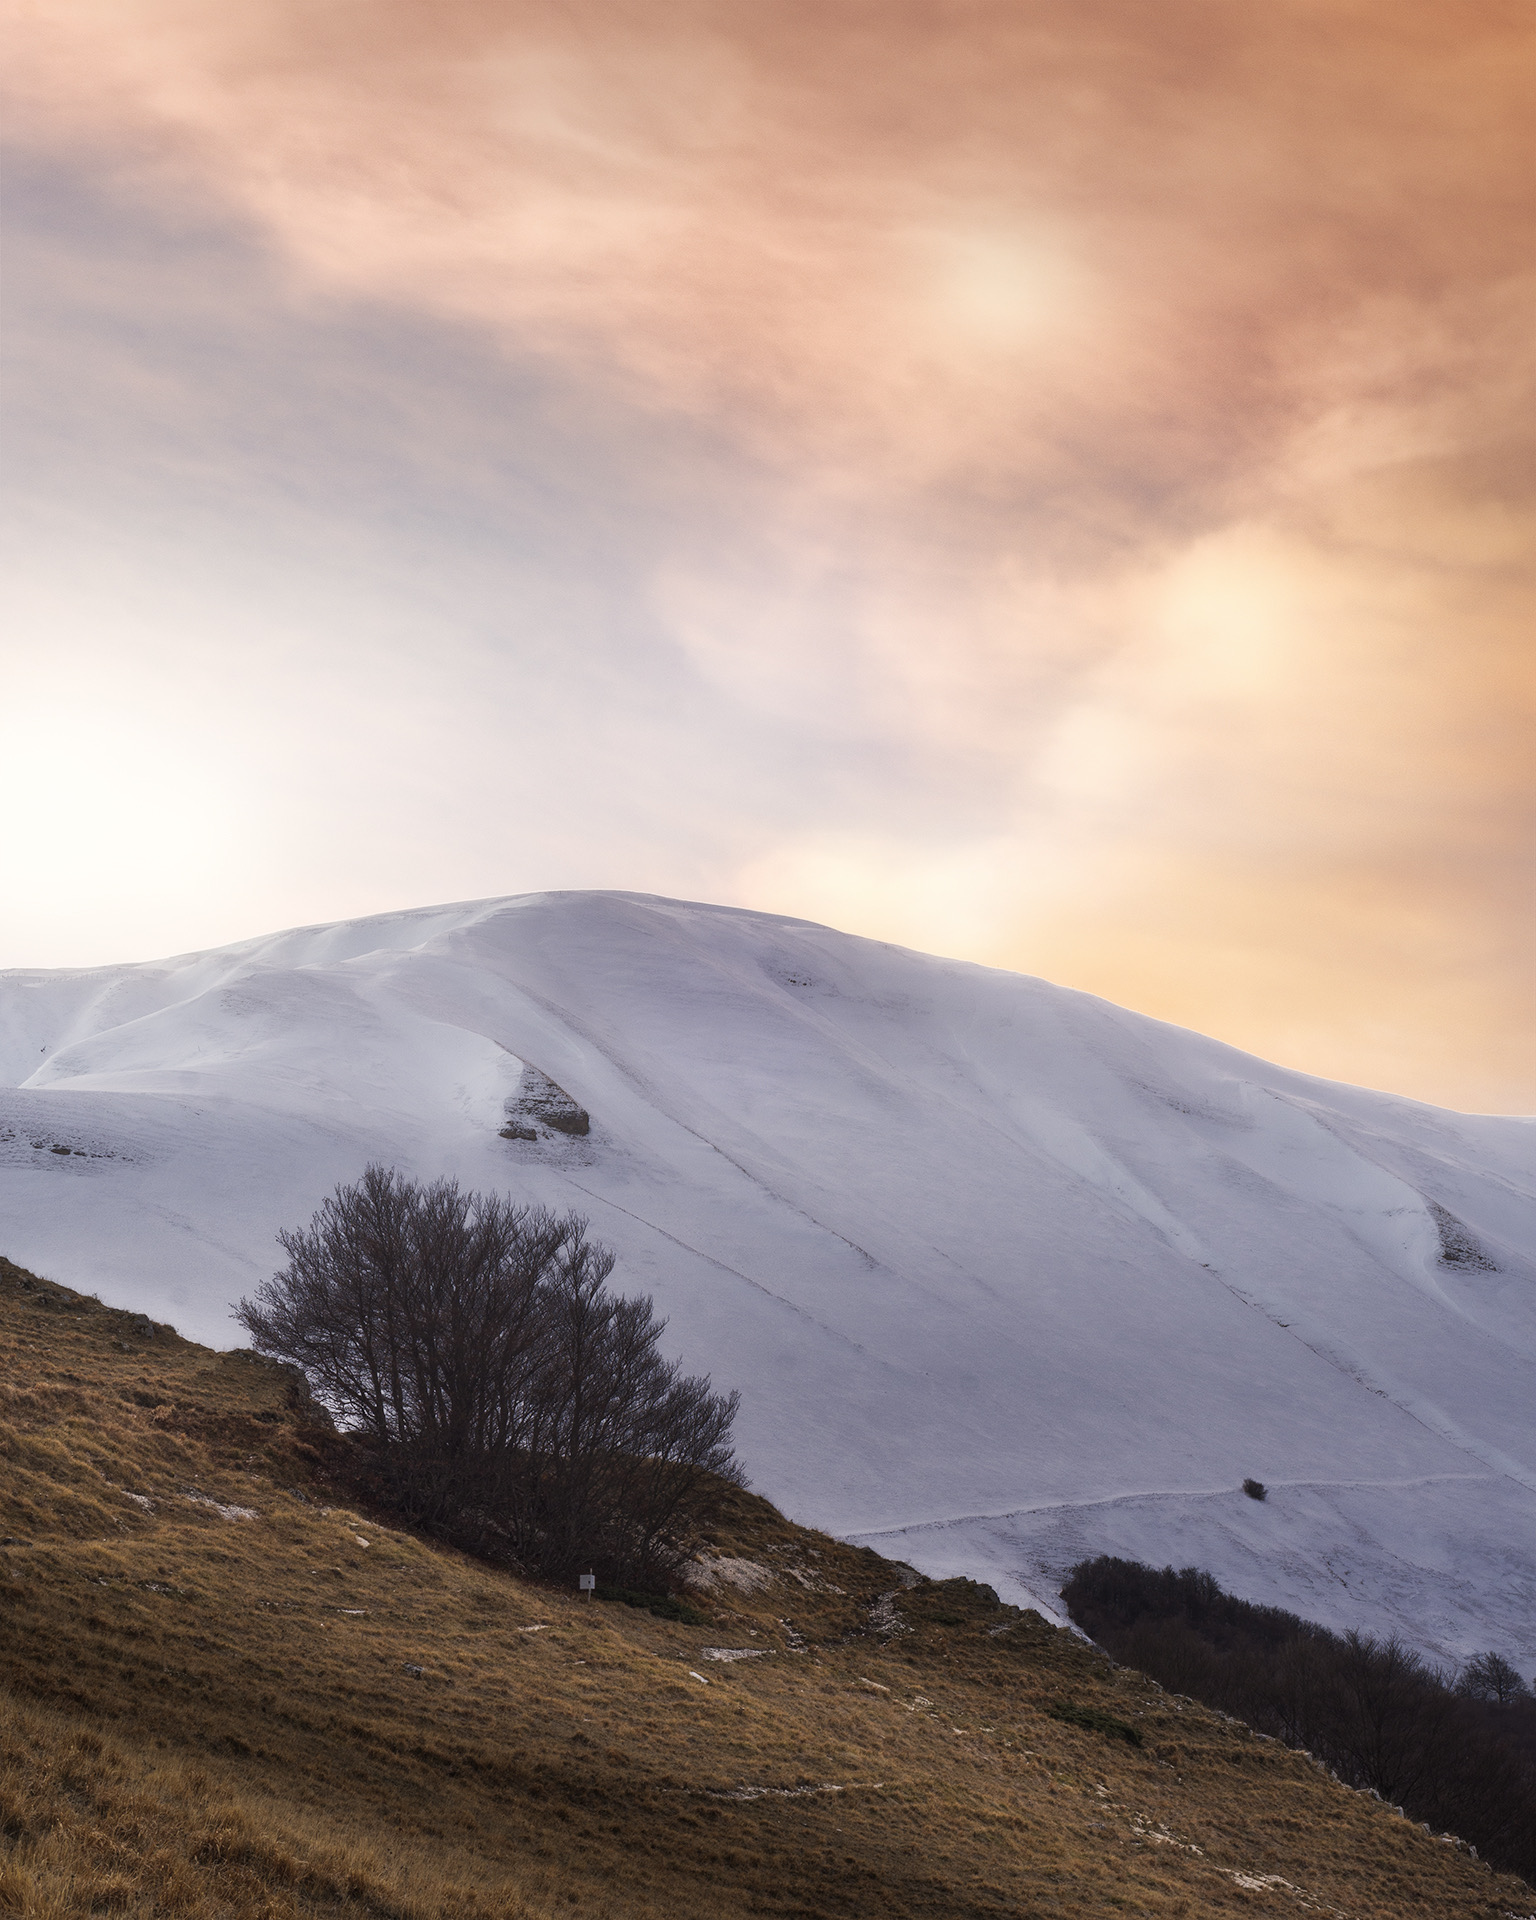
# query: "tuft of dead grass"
{"type": "Point", "coordinates": [225, 1689]}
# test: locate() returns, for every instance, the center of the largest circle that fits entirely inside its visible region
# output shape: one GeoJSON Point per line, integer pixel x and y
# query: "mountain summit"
{"type": "Point", "coordinates": [1006, 1275]}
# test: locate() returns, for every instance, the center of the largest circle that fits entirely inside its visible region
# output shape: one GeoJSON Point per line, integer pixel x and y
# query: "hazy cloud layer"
{"type": "Point", "coordinates": [1049, 483]}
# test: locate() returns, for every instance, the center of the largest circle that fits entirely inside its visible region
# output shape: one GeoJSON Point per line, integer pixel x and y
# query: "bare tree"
{"type": "Point", "coordinates": [1389, 1716]}
{"type": "Point", "coordinates": [505, 1395]}
{"type": "Point", "coordinates": [1491, 1677]}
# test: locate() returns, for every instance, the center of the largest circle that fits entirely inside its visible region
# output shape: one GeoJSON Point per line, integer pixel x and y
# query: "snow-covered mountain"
{"type": "Point", "coordinates": [1005, 1274]}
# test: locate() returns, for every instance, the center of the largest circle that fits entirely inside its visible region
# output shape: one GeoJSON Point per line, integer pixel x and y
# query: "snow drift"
{"type": "Point", "coordinates": [1006, 1275]}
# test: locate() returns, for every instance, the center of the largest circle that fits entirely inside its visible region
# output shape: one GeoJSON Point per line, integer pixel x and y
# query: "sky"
{"type": "Point", "coordinates": [1048, 484]}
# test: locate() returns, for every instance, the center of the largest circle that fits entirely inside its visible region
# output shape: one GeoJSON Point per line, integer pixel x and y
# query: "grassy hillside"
{"type": "Point", "coordinates": [224, 1691]}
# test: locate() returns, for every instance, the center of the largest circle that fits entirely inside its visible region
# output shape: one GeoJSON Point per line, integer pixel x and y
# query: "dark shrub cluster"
{"type": "Point", "coordinates": [1096, 1720]}
{"type": "Point", "coordinates": [1372, 1709]}
{"type": "Point", "coordinates": [504, 1396]}
{"type": "Point", "coordinates": [666, 1606]}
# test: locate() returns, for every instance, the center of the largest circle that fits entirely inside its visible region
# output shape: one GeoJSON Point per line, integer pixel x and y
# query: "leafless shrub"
{"type": "Point", "coordinates": [506, 1396]}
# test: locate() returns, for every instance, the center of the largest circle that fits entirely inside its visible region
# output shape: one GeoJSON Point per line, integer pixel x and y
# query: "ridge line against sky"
{"type": "Point", "coordinates": [1050, 485]}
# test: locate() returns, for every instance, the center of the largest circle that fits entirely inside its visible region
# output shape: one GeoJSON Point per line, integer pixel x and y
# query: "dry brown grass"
{"type": "Point", "coordinates": [203, 1713]}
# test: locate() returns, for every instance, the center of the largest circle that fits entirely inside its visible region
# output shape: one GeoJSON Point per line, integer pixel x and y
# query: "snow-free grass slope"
{"type": "Point", "coordinates": [1005, 1274]}
{"type": "Point", "coordinates": [226, 1690]}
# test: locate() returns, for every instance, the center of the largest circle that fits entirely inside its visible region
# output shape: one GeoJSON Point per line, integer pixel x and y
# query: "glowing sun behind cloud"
{"type": "Point", "coordinates": [1049, 484]}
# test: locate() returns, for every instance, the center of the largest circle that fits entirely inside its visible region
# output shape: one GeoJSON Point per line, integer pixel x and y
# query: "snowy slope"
{"type": "Point", "coordinates": [1005, 1274]}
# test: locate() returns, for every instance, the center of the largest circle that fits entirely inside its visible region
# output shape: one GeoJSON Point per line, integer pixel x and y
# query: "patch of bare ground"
{"type": "Point", "coordinates": [227, 1689]}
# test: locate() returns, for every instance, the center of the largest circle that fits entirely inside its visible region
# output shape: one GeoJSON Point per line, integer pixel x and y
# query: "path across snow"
{"type": "Point", "coordinates": [1005, 1274]}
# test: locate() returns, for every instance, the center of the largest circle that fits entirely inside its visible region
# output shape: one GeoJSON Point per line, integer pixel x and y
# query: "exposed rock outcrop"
{"type": "Point", "coordinates": [541, 1103]}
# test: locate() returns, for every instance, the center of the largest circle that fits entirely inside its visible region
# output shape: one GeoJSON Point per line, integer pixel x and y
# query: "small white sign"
{"type": "Point", "coordinates": [586, 1581]}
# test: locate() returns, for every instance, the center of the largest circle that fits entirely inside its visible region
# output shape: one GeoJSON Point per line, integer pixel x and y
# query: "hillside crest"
{"type": "Point", "coordinates": [1006, 1275]}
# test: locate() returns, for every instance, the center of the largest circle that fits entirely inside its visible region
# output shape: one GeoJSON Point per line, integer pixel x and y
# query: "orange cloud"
{"type": "Point", "coordinates": [1157, 382]}
{"type": "Point", "coordinates": [972, 238]}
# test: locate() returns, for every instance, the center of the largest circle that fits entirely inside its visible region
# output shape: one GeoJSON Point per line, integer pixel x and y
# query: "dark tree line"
{"type": "Point", "coordinates": [504, 1396]}
{"type": "Point", "coordinates": [1458, 1756]}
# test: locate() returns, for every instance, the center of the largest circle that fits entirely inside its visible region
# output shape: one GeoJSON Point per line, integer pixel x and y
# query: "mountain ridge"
{"type": "Point", "coordinates": [1006, 1274]}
